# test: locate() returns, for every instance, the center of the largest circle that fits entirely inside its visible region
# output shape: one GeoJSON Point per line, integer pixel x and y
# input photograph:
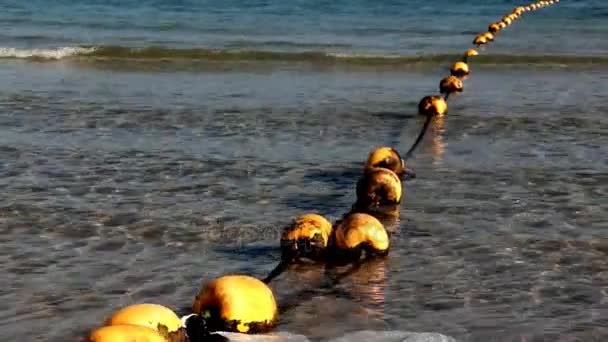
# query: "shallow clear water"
{"type": "Point", "coordinates": [125, 182]}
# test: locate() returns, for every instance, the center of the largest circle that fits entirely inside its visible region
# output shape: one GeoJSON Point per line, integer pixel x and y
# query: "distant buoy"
{"type": "Point", "coordinates": [480, 40]}
{"type": "Point", "coordinates": [459, 69]}
{"type": "Point", "coordinates": [519, 10]}
{"type": "Point", "coordinates": [125, 333]}
{"type": "Point", "coordinates": [160, 318]}
{"type": "Point", "coordinates": [237, 303]}
{"type": "Point", "coordinates": [450, 84]}
{"type": "Point", "coordinates": [507, 20]}
{"type": "Point", "coordinates": [502, 25]}
{"type": "Point", "coordinates": [378, 187]}
{"type": "Point", "coordinates": [388, 158]}
{"type": "Point", "coordinates": [359, 235]}
{"type": "Point", "coordinates": [495, 27]}
{"type": "Point", "coordinates": [489, 36]}
{"type": "Point", "coordinates": [306, 237]}
{"type": "Point", "coordinates": [432, 106]}
{"type": "Point", "coordinates": [471, 52]}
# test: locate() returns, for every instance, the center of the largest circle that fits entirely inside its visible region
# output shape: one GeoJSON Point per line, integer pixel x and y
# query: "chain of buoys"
{"type": "Point", "coordinates": [245, 304]}
{"type": "Point", "coordinates": [434, 105]}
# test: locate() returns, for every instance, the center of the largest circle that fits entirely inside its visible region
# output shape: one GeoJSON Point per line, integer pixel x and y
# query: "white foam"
{"type": "Point", "coordinates": [53, 53]}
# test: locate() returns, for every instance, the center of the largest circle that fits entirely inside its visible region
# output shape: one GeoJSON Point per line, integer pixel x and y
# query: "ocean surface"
{"type": "Point", "coordinates": [149, 146]}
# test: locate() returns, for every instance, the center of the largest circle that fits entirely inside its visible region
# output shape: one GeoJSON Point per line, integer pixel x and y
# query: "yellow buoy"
{"type": "Point", "coordinates": [237, 303]}
{"type": "Point", "coordinates": [432, 106]}
{"type": "Point", "coordinates": [359, 234]}
{"type": "Point", "coordinates": [489, 36]}
{"type": "Point", "coordinates": [513, 16]}
{"type": "Point", "coordinates": [388, 158]}
{"type": "Point", "coordinates": [471, 52]}
{"type": "Point", "coordinates": [534, 6]}
{"type": "Point", "coordinates": [459, 69]}
{"type": "Point", "coordinates": [495, 27]}
{"type": "Point", "coordinates": [519, 10]}
{"type": "Point", "coordinates": [450, 84]}
{"type": "Point", "coordinates": [378, 187]}
{"type": "Point", "coordinates": [125, 333]}
{"type": "Point", "coordinates": [507, 20]}
{"type": "Point", "coordinates": [480, 40]}
{"type": "Point", "coordinates": [154, 316]}
{"type": "Point", "coordinates": [306, 237]}
{"type": "Point", "coordinates": [502, 25]}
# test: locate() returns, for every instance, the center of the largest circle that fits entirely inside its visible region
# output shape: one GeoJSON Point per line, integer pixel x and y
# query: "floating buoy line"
{"type": "Point", "coordinates": [246, 304]}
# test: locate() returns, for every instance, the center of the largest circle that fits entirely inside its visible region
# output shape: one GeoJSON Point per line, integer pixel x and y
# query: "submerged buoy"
{"type": "Point", "coordinates": [306, 237]}
{"type": "Point", "coordinates": [157, 317]}
{"type": "Point", "coordinates": [125, 333]}
{"type": "Point", "coordinates": [378, 187]}
{"type": "Point", "coordinates": [450, 84]}
{"type": "Point", "coordinates": [360, 235]}
{"type": "Point", "coordinates": [237, 303]}
{"type": "Point", "coordinates": [432, 106]}
{"type": "Point", "coordinates": [388, 158]}
{"type": "Point", "coordinates": [459, 69]}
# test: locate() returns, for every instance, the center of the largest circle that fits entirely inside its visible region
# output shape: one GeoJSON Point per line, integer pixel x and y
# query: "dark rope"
{"type": "Point", "coordinates": [278, 270]}
{"type": "Point", "coordinates": [420, 136]}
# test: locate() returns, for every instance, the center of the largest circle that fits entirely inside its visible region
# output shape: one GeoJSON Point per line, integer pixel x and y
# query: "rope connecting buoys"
{"type": "Point", "coordinates": [237, 303]}
{"type": "Point", "coordinates": [429, 105]}
{"type": "Point", "coordinates": [240, 303]}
